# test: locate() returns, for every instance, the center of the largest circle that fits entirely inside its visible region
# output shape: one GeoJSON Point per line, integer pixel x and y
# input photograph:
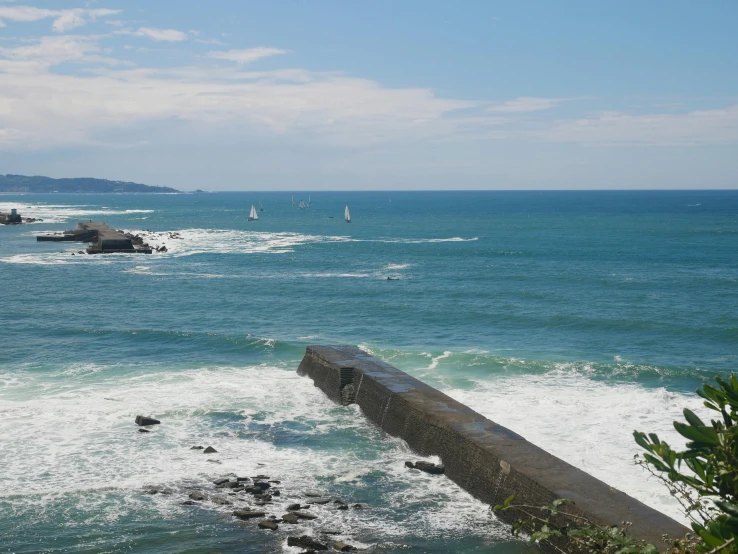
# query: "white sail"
{"type": "Point", "coordinates": [253, 215]}
{"type": "Point", "coordinates": [302, 205]}
{"type": "Point", "coordinates": [309, 201]}
{"type": "Point", "coordinates": [346, 215]}
{"type": "Point", "coordinates": [261, 208]}
{"type": "Point", "coordinates": [293, 199]}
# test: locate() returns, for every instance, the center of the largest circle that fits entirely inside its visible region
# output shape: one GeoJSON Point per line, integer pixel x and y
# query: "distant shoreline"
{"type": "Point", "coordinates": [46, 185]}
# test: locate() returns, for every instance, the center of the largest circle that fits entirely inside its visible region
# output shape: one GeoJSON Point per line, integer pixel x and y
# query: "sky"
{"type": "Point", "coordinates": [372, 94]}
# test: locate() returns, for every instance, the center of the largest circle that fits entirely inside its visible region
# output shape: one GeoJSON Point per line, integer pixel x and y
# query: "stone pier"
{"type": "Point", "coordinates": [488, 460]}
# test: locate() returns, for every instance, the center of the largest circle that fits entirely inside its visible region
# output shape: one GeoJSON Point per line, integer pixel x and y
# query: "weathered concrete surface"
{"type": "Point", "coordinates": [103, 239]}
{"type": "Point", "coordinates": [12, 218]}
{"type": "Point", "coordinates": [487, 459]}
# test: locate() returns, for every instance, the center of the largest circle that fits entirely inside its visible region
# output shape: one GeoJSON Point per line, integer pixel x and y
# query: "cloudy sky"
{"type": "Point", "coordinates": [372, 94]}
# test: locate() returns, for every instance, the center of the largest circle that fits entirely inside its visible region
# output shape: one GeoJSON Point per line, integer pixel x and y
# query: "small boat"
{"type": "Point", "coordinates": [309, 201]}
{"type": "Point", "coordinates": [392, 278]}
{"type": "Point", "coordinates": [261, 208]}
{"type": "Point", "coordinates": [293, 199]}
{"type": "Point", "coordinates": [253, 216]}
{"type": "Point", "coordinates": [347, 215]}
{"type": "Point", "coordinates": [302, 205]}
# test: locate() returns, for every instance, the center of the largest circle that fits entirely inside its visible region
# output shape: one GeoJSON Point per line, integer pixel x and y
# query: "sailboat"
{"type": "Point", "coordinates": [302, 205]}
{"type": "Point", "coordinates": [309, 201]}
{"type": "Point", "coordinates": [253, 216]}
{"type": "Point", "coordinates": [293, 199]}
{"type": "Point", "coordinates": [261, 208]}
{"type": "Point", "coordinates": [346, 215]}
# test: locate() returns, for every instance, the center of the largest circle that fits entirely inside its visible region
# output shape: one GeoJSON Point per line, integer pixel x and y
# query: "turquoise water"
{"type": "Point", "coordinates": [570, 317]}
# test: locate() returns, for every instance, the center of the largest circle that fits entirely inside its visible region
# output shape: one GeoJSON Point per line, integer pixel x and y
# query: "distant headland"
{"type": "Point", "coordinates": [23, 183]}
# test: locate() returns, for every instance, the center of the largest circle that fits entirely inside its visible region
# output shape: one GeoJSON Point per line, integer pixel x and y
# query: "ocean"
{"type": "Point", "coordinates": [573, 318]}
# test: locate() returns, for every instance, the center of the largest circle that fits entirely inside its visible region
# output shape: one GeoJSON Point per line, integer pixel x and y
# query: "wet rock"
{"type": "Point", "coordinates": [268, 524]}
{"type": "Point", "coordinates": [263, 497]}
{"type": "Point", "coordinates": [143, 420]}
{"type": "Point", "coordinates": [305, 515]}
{"type": "Point", "coordinates": [253, 490]}
{"type": "Point", "coordinates": [214, 461]}
{"type": "Point", "coordinates": [209, 450]}
{"type": "Point", "coordinates": [261, 477]}
{"type": "Point", "coordinates": [343, 507]}
{"type": "Point", "coordinates": [232, 484]}
{"type": "Point", "coordinates": [275, 492]}
{"type": "Point", "coordinates": [289, 518]}
{"type": "Point", "coordinates": [313, 494]}
{"type": "Point", "coordinates": [276, 482]}
{"type": "Point", "coordinates": [241, 479]}
{"type": "Point", "coordinates": [189, 503]}
{"type": "Point", "coordinates": [150, 490]}
{"type": "Point", "coordinates": [430, 468]}
{"type": "Point", "coordinates": [197, 495]}
{"type": "Point", "coordinates": [330, 531]}
{"type": "Point", "coordinates": [410, 465]}
{"type": "Point", "coordinates": [196, 447]}
{"type": "Point", "coordinates": [221, 481]}
{"type": "Point", "coordinates": [357, 507]}
{"type": "Point", "coordinates": [144, 431]}
{"type": "Point", "coordinates": [306, 541]}
{"type": "Point", "coordinates": [222, 500]}
{"type": "Point", "coordinates": [248, 514]}
{"type": "Point", "coordinates": [338, 501]}
{"type": "Point", "coordinates": [343, 547]}
{"type": "Point", "coordinates": [262, 485]}
{"type": "Point", "coordinates": [292, 507]}
{"type": "Point", "coordinates": [239, 489]}
{"type": "Point", "coordinates": [320, 501]}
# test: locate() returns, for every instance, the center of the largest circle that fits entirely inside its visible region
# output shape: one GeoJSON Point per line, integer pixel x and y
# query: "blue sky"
{"type": "Point", "coordinates": [290, 95]}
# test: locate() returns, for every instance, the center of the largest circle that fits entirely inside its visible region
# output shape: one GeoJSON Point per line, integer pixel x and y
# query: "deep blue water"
{"type": "Point", "coordinates": [609, 308]}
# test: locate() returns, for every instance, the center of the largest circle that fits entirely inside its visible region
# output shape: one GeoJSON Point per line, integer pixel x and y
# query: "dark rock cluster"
{"type": "Point", "coordinates": [428, 467]}
{"type": "Point", "coordinates": [255, 500]}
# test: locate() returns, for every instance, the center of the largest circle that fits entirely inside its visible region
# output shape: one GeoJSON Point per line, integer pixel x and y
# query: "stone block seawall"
{"type": "Point", "coordinates": [486, 459]}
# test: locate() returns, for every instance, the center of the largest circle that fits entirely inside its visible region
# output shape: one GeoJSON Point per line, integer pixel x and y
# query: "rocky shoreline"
{"type": "Point", "coordinates": [261, 502]}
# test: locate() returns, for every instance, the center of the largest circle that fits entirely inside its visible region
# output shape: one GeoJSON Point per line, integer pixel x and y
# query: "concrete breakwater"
{"type": "Point", "coordinates": [102, 239]}
{"type": "Point", "coordinates": [486, 459]}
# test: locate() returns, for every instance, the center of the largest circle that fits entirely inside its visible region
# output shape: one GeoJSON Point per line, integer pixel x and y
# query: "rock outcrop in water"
{"type": "Point", "coordinates": [143, 420]}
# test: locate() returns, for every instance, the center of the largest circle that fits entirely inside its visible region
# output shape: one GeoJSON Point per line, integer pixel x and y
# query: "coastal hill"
{"type": "Point", "coordinates": [23, 183]}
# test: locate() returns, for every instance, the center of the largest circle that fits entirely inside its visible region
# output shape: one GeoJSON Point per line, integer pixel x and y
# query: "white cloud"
{"type": "Point", "coordinates": [616, 128]}
{"type": "Point", "coordinates": [40, 108]}
{"type": "Point", "coordinates": [247, 55]}
{"type": "Point", "coordinates": [526, 104]}
{"type": "Point", "coordinates": [64, 20]}
{"type": "Point", "coordinates": [165, 35]}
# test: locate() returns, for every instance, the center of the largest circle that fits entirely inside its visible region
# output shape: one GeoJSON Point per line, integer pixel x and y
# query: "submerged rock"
{"type": "Point", "coordinates": [305, 515]}
{"type": "Point", "coordinates": [143, 420]}
{"type": "Point", "coordinates": [221, 481]}
{"type": "Point", "coordinates": [248, 514]}
{"type": "Point", "coordinates": [144, 431]}
{"type": "Point", "coordinates": [289, 518]}
{"type": "Point", "coordinates": [306, 541]}
{"type": "Point", "coordinates": [196, 447]}
{"type": "Point", "coordinates": [430, 468]}
{"type": "Point", "coordinates": [197, 495]}
{"type": "Point", "coordinates": [343, 547]}
{"type": "Point", "coordinates": [313, 494]}
{"type": "Point", "coordinates": [268, 524]}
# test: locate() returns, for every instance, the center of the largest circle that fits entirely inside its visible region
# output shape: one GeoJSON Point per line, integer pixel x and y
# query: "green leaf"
{"type": "Point", "coordinates": [692, 418]}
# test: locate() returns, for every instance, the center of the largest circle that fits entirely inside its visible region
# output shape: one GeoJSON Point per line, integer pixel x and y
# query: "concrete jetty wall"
{"type": "Point", "coordinates": [486, 459]}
